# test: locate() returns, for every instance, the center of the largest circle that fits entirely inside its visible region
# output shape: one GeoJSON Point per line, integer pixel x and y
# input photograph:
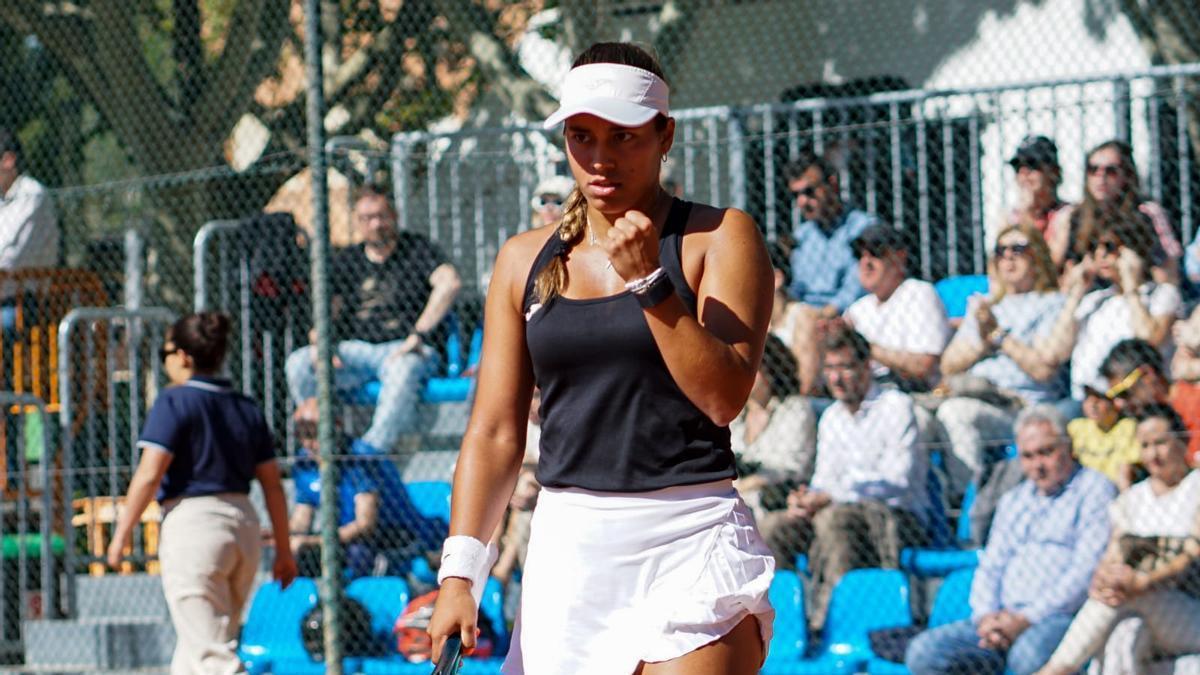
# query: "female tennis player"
{"type": "Point", "coordinates": [642, 319]}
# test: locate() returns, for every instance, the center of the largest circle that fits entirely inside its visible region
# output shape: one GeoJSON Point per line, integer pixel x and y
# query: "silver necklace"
{"type": "Point", "coordinates": [592, 236]}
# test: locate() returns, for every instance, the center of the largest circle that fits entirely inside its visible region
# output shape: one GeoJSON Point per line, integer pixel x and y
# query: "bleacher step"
{"type": "Point", "coordinates": [133, 596]}
{"type": "Point", "coordinates": [105, 644]}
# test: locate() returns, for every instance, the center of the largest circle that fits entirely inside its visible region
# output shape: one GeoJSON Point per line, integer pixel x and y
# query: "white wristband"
{"type": "Point", "coordinates": [468, 558]}
{"type": "Point", "coordinates": [640, 285]}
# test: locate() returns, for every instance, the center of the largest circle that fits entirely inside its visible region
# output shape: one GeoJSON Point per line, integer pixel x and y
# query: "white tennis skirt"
{"type": "Point", "coordinates": [613, 579]}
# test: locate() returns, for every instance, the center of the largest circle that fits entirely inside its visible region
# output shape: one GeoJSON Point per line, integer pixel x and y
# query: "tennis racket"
{"type": "Point", "coordinates": [451, 660]}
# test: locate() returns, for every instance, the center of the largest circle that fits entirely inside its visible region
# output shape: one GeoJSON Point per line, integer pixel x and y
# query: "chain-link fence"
{"type": "Point", "coordinates": [997, 197]}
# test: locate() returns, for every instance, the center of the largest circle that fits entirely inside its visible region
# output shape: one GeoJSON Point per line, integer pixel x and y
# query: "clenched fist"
{"type": "Point", "coordinates": [632, 245]}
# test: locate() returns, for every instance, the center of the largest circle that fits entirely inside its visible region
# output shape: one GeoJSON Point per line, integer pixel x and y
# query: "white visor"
{"type": "Point", "coordinates": [623, 95]}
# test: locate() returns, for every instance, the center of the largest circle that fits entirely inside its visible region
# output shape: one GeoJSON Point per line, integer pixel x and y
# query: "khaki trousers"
{"type": "Point", "coordinates": [209, 554]}
{"type": "Point", "coordinates": [840, 538]}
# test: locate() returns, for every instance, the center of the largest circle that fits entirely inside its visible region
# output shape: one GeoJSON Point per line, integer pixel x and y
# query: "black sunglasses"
{"type": "Point", "coordinates": [1107, 246]}
{"type": "Point", "coordinates": [806, 192]}
{"type": "Point", "coordinates": [1003, 250]}
{"type": "Point", "coordinates": [1108, 169]}
{"type": "Point", "coordinates": [164, 352]}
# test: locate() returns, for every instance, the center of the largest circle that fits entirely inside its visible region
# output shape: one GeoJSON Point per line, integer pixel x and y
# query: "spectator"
{"type": "Point", "coordinates": [824, 279]}
{"type": "Point", "coordinates": [389, 297]}
{"type": "Point", "coordinates": [1185, 371]}
{"type": "Point", "coordinates": [784, 310]}
{"type": "Point", "coordinates": [548, 199]}
{"type": "Point", "coordinates": [1049, 533]}
{"type": "Point", "coordinates": [1129, 305]}
{"type": "Point", "coordinates": [1112, 188]}
{"type": "Point", "coordinates": [902, 318]}
{"type": "Point", "coordinates": [375, 514]}
{"type": "Point", "coordinates": [774, 437]}
{"type": "Point", "coordinates": [1149, 569]}
{"type": "Point", "coordinates": [28, 227]}
{"type": "Point", "coordinates": [201, 446]}
{"type": "Point", "coordinates": [1038, 177]}
{"type": "Point", "coordinates": [991, 367]}
{"type": "Point", "coordinates": [1134, 372]}
{"type": "Point", "coordinates": [1104, 441]}
{"type": "Point", "coordinates": [868, 495]}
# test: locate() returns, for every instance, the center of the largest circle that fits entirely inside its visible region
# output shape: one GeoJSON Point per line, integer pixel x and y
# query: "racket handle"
{"type": "Point", "coordinates": [451, 659]}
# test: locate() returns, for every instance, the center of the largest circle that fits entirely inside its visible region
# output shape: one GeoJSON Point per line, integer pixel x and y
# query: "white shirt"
{"type": "Point", "coordinates": [873, 453]}
{"type": "Point", "coordinates": [912, 320]}
{"type": "Point", "coordinates": [28, 227]}
{"type": "Point", "coordinates": [1105, 318]}
{"type": "Point", "coordinates": [1174, 514]}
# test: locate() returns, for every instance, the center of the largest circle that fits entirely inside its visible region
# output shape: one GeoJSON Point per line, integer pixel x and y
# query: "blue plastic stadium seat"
{"type": "Point", "coordinates": [864, 600]}
{"type": "Point", "coordinates": [431, 498]}
{"type": "Point", "coordinates": [384, 598]}
{"type": "Point", "coordinates": [929, 562]}
{"type": "Point", "coordinates": [962, 531]}
{"type": "Point", "coordinates": [951, 604]}
{"type": "Point", "coordinates": [954, 292]}
{"type": "Point", "coordinates": [491, 609]}
{"type": "Point", "coordinates": [790, 641]}
{"type": "Point", "coordinates": [953, 601]}
{"type": "Point", "coordinates": [271, 633]}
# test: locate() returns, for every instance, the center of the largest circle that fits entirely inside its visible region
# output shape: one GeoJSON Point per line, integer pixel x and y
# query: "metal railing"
{"type": "Point", "coordinates": [104, 388]}
{"type": "Point", "coordinates": [30, 494]}
{"type": "Point", "coordinates": [261, 343]}
{"type": "Point", "coordinates": [931, 161]}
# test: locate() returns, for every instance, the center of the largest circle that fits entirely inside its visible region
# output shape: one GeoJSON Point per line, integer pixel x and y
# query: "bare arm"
{"type": "Point", "coordinates": [911, 365]}
{"type": "Point", "coordinates": [1185, 365]}
{"type": "Point", "coordinates": [494, 443]}
{"type": "Point", "coordinates": [301, 520]}
{"type": "Point", "coordinates": [1146, 326]}
{"type": "Point", "coordinates": [366, 515]}
{"type": "Point", "coordinates": [1059, 342]}
{"type": "Point", "coordinates": [962, 353]}
{"type": "Point", "coordinates": [714, 359]}
{"type": "Point", "coordinates": [150, 470]}
{"type": "Point", "coordinates": [267, 473]}
{"type": "Point", "coordinates": [1038, 364]}
{"type": "Point", "coordinates": [446, 284]}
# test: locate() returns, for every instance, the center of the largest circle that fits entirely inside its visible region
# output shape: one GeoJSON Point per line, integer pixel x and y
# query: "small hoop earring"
{"type": "Point", "coordinates": [664, 159]}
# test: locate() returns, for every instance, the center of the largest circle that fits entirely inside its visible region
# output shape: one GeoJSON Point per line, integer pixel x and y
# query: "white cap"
{"type": "Point", "coordinates": [554, 185]}
{"type": "Point", "coordinates": [623, 95]}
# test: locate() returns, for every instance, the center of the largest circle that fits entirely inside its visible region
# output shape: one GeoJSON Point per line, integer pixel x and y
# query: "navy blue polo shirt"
{"type": "Point", "coordinates": [218, 438]}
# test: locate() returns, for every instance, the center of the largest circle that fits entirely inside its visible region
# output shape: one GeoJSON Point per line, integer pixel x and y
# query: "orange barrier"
{"type": "Point", "coordinates": [40, 299]}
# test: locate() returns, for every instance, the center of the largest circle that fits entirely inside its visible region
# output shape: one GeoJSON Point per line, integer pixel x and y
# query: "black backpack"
{"type": "Point", "coordinates": [357, 637]}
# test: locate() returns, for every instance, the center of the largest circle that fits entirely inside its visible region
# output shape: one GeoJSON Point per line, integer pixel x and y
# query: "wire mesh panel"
{"type": "Point", "coordinates": [973, 211]}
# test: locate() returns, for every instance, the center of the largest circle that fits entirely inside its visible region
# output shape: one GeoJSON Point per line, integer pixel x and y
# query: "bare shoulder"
{"type": "Point", "coordinates": [721, 221]}
{"type": "Point", "coordinates": [516, 256]}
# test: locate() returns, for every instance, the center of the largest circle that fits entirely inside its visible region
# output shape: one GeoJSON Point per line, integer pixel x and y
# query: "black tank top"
{"type": "Point", "coordinates": [613, 418]}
